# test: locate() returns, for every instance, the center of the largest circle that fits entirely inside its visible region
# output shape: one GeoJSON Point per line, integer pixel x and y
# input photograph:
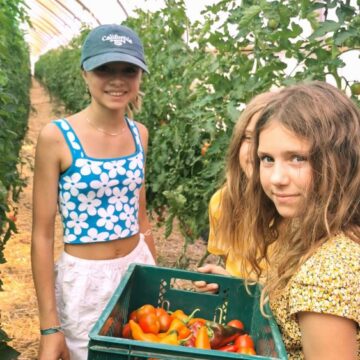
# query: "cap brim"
{"type": "Point", "coordinates": [96, 61]}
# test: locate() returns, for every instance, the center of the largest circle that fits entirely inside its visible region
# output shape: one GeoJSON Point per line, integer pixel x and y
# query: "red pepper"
{"type": "Point", "coordinates": [229, 348]}
{"type": "Point", "coordinates": [194, 328]}
{"type": "Point", "coordinates": [221, 335]}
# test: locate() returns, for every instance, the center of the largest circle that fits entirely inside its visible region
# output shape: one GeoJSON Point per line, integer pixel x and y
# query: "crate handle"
{"type": "Point", "coordinates": [221, 313]}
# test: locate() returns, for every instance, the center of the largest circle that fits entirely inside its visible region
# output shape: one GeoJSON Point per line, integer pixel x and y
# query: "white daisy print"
{"type": "Point", "coordinates": [78, 222]}
{"type": "Point", "coordinates": [89, 202]}
{"type": "Point", "coordinates": [107, 217]}
{"type": "Point", "coordinates": [94, 236]}
{"type": "Point", "coordinates": [115, 167]}
{"type": "Point", "coordinates": [64, 125]}
{"type": "Point", "coordinates": [119, 232]}
{"type": "Point", "coordinates": [119, 198]}
{"type": "Point", "coordinates": [72, 183]}
{"type": "Point", "coordinates": [104, 186]}
{"type": "Point", "coordinates": [137, 162]}
{"type": "Point", "coordinates": [73, 141]}
{"type": "Point", "coordinates": [64, 203]}
{"type": "Point", "coordinates": [88, 166]}
{"type": "Point", "coordinates": [127, 215]}
{"type": "Point", "coordinates": [133, 178]}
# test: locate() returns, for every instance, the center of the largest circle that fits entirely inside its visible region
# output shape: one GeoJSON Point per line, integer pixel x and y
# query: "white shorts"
{"type": "Point", "coordinates": [84, 287]}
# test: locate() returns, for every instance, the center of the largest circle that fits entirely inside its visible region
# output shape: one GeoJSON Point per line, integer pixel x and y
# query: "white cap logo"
{"type": "Point", "coordinates": [117, 39]}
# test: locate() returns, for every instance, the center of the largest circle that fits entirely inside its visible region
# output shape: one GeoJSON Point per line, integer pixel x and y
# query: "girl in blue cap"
{"type": "Point", "coordinates": [92, 166]}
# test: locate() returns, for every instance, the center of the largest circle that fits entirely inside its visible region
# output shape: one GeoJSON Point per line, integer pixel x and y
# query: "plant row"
{"type": "Point", "coordinates": [14, 110]}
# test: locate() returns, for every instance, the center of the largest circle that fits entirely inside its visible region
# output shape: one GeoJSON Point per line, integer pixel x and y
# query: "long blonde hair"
{"type": "Point", "coordinates": [230, 227]}
{"type": "Point", "coordinates": [330, 121]}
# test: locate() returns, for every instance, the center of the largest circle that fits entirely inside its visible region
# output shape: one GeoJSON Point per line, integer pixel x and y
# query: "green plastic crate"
{"type": "Point", "coordinates": [159, 286]}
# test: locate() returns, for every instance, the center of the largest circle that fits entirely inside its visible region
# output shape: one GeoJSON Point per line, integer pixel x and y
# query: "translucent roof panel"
{"type": "Point", "coordinates": [55, 22]}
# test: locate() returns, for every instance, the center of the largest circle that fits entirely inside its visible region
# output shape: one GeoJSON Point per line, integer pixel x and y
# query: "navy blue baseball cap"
{"type": "Point", "coordinates": [111, 43]}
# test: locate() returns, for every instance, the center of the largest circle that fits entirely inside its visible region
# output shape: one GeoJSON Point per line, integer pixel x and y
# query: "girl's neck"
{"type": "Point", "coordinates": [101, 116]}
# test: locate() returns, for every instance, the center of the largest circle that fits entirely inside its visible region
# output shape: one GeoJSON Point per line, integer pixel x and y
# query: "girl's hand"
{"type": "Point", "coordinates": [53, 347]}
{"type": "Point", "coordinates": [203, 286]}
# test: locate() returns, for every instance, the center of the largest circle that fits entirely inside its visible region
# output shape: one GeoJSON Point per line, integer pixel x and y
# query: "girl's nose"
{"type": "Point", "coordinates": [279, 174]}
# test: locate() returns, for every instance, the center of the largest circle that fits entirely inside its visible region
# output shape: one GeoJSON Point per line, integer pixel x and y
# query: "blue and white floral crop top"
{"type": "Point", "coordinates": [99, 198]}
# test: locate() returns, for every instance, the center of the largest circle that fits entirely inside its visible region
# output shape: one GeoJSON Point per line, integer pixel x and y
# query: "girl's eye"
{"type": "Point", "coordinates": [102, 69]}
{"type": "Point", "coordinates": [299, 158]}
{"type": "Point", "coordinates": [124, 71]}
{"type": "Point", "coordinates": [266, 159]}
{"type": "Point", "coordinates": [130, 70]}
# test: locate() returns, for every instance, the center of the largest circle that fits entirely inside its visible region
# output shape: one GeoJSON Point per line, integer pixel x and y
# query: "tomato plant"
{"type": "Point", "coordinates": [15, 79]}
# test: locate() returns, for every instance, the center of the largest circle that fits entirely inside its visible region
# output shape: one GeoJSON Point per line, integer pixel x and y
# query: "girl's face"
{"type": "Point", "coordinates": [285, 171]}
{"type": "Point", "coordinates": [114, 85]}
{"type": "Point", "coordinates": [245, 152]}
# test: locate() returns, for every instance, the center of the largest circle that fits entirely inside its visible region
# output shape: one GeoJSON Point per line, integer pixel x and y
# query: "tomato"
{"type": "Point", "coordinates": [244, 341]}
{"type": "Point", "coordinates": [133, 316]}
{"type": "Point", "coordinates": [205, 148]}
{"type": "Point", "coordinates": [273, 24]}
{"type": "Point", "coordinates": [126, 331]}
{"type": "Point", "coordinates": [149, 323]}
{"type": "Point", "coordinates": [164, 319]}
{"type": "Point", "coordinates": [355, 88]}
{"type": "Point", "coordinates": [145, 309]}
{"type": "Point", "coordinates": [236, 323]}
{"type": "Point", "coordinates": [247, 350]}
{"type": "Point", "coordinates": [11, 216]}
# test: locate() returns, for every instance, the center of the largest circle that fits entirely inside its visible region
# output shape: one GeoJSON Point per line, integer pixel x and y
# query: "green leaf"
{"type": "Point", "coordinates": [325, 28]}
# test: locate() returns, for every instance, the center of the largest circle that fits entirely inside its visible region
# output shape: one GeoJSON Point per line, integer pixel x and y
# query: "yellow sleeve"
{"type": "Point", "coordinates": [329, 281]}
{"type": "Point", "coordinates": [214, 215]}
{"type": "Point", "coordinates": [215, 245]}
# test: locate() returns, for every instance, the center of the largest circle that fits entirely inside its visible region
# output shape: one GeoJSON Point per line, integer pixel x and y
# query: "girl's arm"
{"type": "Point", "coordinates": [145, 227]}
{"type": "Point", "coordinates": [46, 176]}
{"type": "Point", "coordinates": [327, 337]}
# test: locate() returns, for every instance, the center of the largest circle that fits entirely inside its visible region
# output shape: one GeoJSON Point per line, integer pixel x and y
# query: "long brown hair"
{"type": "Point", "coordinates": [230, 227]}
{"type": "Point", "coordinates": [330, 121]}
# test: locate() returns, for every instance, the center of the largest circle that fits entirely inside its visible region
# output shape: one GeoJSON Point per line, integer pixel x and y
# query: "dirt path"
{"type": "Point", "coordinates": [18, 302]}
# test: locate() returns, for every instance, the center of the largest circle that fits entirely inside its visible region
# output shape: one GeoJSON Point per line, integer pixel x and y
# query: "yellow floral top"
{"type": "Point", "coordinates": [328, 282]}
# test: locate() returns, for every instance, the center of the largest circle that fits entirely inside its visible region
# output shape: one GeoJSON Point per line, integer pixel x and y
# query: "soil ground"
{"type": "Point", "coordinates": [19, 317]}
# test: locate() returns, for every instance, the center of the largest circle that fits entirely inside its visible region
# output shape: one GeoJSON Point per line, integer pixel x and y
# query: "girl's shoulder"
{"type": "Point", "coordinates": [50, 133]}
{"type": "Point", "coordinates": [336, 260]}
{"type": "Point", "coordinates": [143, 132]}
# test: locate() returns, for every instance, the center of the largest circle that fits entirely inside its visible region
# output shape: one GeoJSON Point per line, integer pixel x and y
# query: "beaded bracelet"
{"type": "Point", "coordinates": [51, 330]}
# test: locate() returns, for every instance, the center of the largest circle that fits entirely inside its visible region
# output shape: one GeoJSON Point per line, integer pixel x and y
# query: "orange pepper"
{"type": "Point", "coordinates": [193, 320]}
{"type": "Point", "coordinates": [170, 338]}
{"type": "Point", "coordinates": [179, 314]}
{"type": "Point", "coordinates": [202, 340]}
{"type": "Point", "coordinates": [179, 326]}
{"type": "Point", "coordinates": [138, 334]}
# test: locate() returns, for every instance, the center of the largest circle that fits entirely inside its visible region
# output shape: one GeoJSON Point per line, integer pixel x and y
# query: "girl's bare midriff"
{"type": "Point", "coordinates": [105, 250]}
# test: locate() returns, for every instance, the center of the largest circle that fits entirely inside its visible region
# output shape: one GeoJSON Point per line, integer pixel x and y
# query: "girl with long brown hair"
{"type": "Point", "coordinates": [306, 177]}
